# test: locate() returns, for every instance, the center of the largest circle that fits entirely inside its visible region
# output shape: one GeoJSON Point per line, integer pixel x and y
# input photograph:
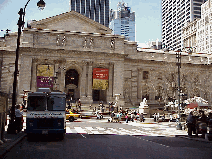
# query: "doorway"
{"type": "Point", "coordinates": [71, 84]}
{"type": "Point", "coordinates": [99, 95]}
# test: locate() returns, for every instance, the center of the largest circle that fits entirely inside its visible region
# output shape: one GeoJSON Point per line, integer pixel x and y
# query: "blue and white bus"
{"type": "Point", "coordinates": [46, 113]}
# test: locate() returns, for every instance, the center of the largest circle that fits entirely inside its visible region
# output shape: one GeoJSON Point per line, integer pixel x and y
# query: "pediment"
{"type": "Point", "coordinates": [71, 21]}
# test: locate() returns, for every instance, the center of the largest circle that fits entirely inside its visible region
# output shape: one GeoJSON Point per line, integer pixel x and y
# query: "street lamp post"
{"type": "Point", "coordinates": [11, 127]}
{"type": "Point", "coordinates": [178, 56]}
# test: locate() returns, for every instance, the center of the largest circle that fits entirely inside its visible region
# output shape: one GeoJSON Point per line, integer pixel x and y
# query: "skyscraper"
{"type": "Point", "coordinates": [174, 16]}
{"type": "Point", "coordinates": [97, 10]}
{"type": "Point", "coordinates": [122, 21]}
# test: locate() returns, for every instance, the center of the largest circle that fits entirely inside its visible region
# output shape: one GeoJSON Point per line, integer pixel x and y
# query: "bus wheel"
{"type": "Point", "coordinates": [71, 118]}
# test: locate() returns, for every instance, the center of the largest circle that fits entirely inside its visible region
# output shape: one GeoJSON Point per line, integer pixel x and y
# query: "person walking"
{"type": "Point", "coordinates": [191, 123]}
{"type": "Point", "coordinates": [18, 118]}
{"type": "Point", "coordinates": [132, 116]}
{"type": "Point", "coordinates": [163, 117]}
{"type": "Point", "coordinates": [127, 118]}
{"type": "Point", "coordinates": [141, 116]}
{"type": "Point", "coordinates": [79, 105]}
{"type": "Point", "coordinates": [155, 116]}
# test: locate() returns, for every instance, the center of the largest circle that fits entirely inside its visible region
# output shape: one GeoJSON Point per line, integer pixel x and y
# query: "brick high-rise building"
{"type": "Point", "coordinates": [97, 10]}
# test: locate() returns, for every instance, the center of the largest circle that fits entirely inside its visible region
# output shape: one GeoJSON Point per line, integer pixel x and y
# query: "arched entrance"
{"type": "Point", "coordinates": [71, 84]}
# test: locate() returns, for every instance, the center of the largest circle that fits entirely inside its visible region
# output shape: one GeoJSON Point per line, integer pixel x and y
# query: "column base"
{"type": "Point", "coordinates": [89, 99]}
{"type": "Point", "coordinates": [86, 100]}
{"type": "Point", "coordinates": [110, 99]}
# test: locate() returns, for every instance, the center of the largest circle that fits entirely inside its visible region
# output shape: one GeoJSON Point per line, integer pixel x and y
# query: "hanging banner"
{"type": "Point", "coordinates": [100, 78]}
{"type": "Point", "coordinates": [45, 76]}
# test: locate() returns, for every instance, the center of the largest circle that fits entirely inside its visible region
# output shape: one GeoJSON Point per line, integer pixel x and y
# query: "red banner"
{"type": "Point", "coordinates": [100, 73]}
{"type": "Point", "coordinates": [100, 78]}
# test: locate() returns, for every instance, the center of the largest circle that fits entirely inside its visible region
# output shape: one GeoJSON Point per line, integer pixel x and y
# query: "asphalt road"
{"type": "Point", "coordinates": [105, 146]}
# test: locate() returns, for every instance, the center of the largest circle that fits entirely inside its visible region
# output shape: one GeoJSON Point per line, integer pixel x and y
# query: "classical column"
{"type": "Point", "coordinates": [24, 76]}
{"type": "Point", "coordinates": [83, 82]}
{"type": "Point", "coordinates": [61, 77]}
{"type": "Point", "coordinates": [34, 75]}
{"type": "Point", "coordinates": [152, 90]}
{"type": "Point", "coordinates": [110, 89]}
{"type": "Point", "coordinates": [119, 81]}
{"type": "Point", "coordinates": [139, 93]}
{"type": "Point", "coordinates": [90, 71]}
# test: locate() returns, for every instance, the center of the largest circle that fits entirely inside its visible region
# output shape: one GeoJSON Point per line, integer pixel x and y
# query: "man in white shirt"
{"type": "Point", "coordinates": [18, 118]}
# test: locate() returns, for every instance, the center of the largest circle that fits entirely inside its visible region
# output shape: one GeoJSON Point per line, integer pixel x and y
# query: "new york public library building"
{"type": "Point", "coordinates": [74, 54]}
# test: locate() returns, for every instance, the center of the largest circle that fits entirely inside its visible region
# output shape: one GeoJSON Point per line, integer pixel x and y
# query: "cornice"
{"type": "Point", "coordinates": [33, 51]}
{"type": "Point", "coordinates": [142, 61]}
{"type": "Point", "coordinates": [67, 33]}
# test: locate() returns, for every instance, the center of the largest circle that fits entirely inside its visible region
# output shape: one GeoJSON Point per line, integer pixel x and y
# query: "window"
{"type": "Point", "coordinates": [145, 74]}
{"type": "Point", "coordinates": [36, 103]}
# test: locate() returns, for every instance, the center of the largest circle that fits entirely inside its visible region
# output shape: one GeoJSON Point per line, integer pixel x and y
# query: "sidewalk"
{"type": "Point", "coordinates": [11, 141]}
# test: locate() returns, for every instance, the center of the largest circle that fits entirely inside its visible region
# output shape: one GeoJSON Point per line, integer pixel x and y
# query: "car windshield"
{"type": "Point", "coordinates": [56, 103]}
{"type": "Point", "coordinates": [37, 103]}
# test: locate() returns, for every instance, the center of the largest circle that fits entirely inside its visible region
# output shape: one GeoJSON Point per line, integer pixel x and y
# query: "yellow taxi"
{"type": "Point", "coordinates": [71, 116]}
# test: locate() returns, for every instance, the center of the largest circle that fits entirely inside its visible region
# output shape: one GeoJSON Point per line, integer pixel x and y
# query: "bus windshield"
{"type": "Point", "coordinates": [56, 103]}
{"type": "Point", "coordinates": [37, 103]}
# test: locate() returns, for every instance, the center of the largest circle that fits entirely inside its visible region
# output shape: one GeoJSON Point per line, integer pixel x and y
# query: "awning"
{"type": "Point", "coordinates": [192, 105]}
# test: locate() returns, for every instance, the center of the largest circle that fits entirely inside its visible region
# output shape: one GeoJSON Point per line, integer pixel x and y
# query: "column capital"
{"type": "Point", "coordinates": [90, 63]}
{"type": "Point", "coordinates": [35, 60]}
{"type": "Point", "coordinates": [140, 69]}
{"type": "Point", "coordinates": [111, 63]}
{"type": "Point", "coordinates": [84, 62]}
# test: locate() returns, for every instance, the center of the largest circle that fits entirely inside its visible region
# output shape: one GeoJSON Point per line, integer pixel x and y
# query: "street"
{"type": "Point", "coordinates": [91, 138]}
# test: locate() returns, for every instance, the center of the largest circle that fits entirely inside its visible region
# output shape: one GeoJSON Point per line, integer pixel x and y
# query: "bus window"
{"type": "Point", "coordinates": [56, 103]}
{"type": "Point", "coordinates": [37, 103]}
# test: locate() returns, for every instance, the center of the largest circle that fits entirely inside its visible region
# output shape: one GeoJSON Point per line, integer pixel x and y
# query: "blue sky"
{"type": "Point", "coordinates": [148, 15]}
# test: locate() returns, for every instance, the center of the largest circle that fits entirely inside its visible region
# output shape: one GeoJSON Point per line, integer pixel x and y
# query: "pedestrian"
{"type": "Point", "coordinates": [132, 116]}
{"type": "Point", "coordinates": [69, 107]}
{"type": "Point", "coordinates": [135, 112]}
{"type": "Point", "coordinates": [68, 102]}
{"type": "Point", "coordinates": [141, 116]}
{"type": "Point", "coordinates": [112, 114]}
{"type": "Point", "coordinates": [191, 122]}
{"type": "Point", "coordinates": [127, 118]}
{"type": "Point", "coordinates": [163, 117]}
{"type": "Point", "coordinates": [79, 105]}
{"type": "Point", "coordinates": [171, 118]}
{"type": "Point", "coordinates": [18, 118]}
{"type": "Point", "coordinates": [158, 116]}
{"type": "Point", "coordinates": [155, 116]}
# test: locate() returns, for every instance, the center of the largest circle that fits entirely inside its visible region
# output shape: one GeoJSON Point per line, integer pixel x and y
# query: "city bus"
{"type": "Point", "coordinates": [46, 113]}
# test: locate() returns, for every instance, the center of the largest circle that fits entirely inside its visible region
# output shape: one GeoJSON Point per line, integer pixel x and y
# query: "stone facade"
{"type": "Point", "coordinates": [133, 73]}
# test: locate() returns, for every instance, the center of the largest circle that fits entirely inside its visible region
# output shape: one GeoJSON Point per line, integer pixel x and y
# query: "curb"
{"type": "Point", "coordinates": [12, 144]}
{"type": "Point", "coordinates": [194, 139]}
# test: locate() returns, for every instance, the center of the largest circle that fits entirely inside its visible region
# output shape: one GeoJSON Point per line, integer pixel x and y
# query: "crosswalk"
{"type": "Point", "coordinates": [102, 130]}
{"type": "Point", "coordinates": [145, 130]}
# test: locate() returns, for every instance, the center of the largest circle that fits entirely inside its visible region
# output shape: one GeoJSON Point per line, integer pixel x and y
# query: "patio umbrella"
{"type": "Point", "coordinates": [192, 105]}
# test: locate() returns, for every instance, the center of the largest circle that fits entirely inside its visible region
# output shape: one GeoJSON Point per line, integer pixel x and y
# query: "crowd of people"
{"type": "Point", "coordinates": [129, 116]}
{"type": "Point", "coordinates": [194, 120]}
